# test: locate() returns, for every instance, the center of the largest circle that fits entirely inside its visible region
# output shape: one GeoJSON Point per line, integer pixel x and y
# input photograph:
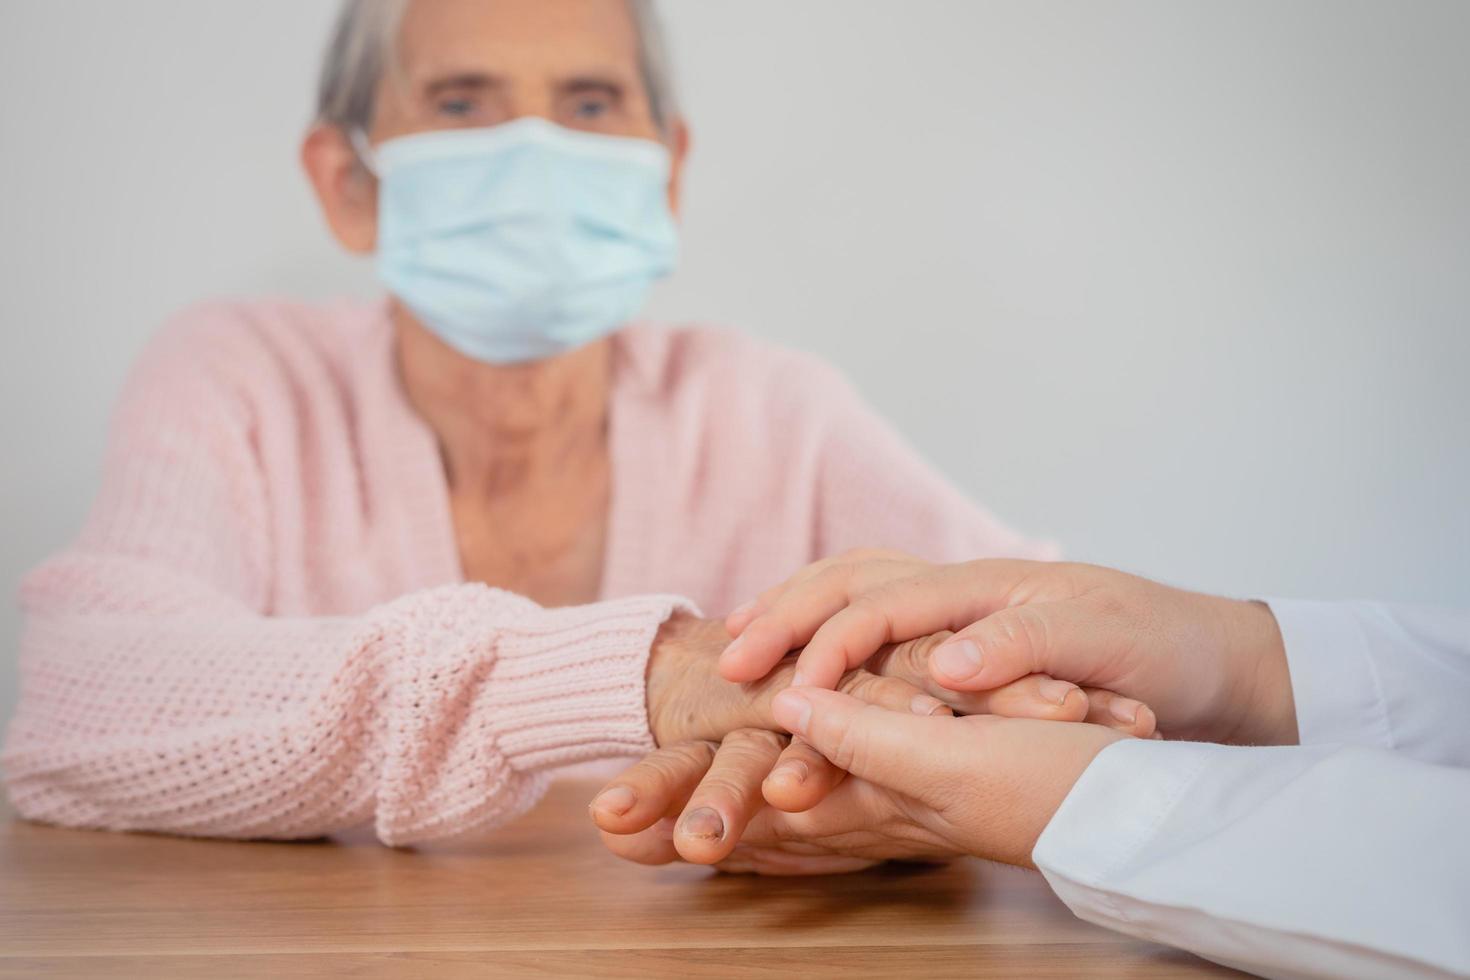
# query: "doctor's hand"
{"type": "Point", "coordinates": [921, 788]}
{"type": "Point", "coordinates": [1210, 668]}
{"type": "Point", "coordinates": [694, 798]}
{"type": "Point", "coordinates": [689, 702]}
{"type": "Point", "coordinates": [688, 699]}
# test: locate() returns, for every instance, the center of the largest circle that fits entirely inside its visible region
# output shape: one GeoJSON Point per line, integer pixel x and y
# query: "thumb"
{"type": "Point", "coordinates": [893, 749]}
{"type": "Point", "coordinates": [1063, 639]}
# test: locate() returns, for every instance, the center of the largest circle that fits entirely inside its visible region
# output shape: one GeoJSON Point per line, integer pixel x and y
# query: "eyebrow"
{"type": "Point", "coordinates": [608, 83]}
{"type": "Point", "coordinates": [462, 80]}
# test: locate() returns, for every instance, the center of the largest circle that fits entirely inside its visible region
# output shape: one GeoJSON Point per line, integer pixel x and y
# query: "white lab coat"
{"type": "Point", "coordinates": [1346, 856]}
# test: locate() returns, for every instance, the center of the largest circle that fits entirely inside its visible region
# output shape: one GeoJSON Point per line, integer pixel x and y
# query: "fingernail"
{"type": "Point", "coordinates": [923, 704]}
{"type": "Point", "coordinates": [958, 659]}
{"type": "Point", "coordinates": [794, 771]}
{"type": "Point", "coordinates": [793, 712]}
{"type": "Point", "coordinates": [798, 679]}
{"type": "Point", "coordinates": [704, 824]}
{"type": "Point", "coordinates": [734, 645]}
{"type": "Point", "coordinates": [1055, 690]}
{"type": "Point", "coordinates": [1124, 710]}
{"type": "Point", "coordinates": [741, 609]}
{"type": "Point", "coordinates": [616, 800]}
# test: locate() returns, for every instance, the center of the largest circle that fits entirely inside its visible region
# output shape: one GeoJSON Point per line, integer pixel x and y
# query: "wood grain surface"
{"type": "Point", "coordinates": [540, 899]}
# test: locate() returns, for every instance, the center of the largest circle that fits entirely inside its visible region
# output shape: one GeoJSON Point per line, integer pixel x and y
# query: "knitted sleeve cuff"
{"type": "Point", "coordinates": [569, 683]}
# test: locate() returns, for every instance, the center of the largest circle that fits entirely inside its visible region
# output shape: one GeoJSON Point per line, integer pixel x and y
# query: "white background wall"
{"type": "Point", "coordinates": [1184, 285]}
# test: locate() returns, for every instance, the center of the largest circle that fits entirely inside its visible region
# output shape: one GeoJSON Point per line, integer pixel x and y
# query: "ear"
{"type": "Point", "coordinates": [678, 144]}
{"type": "Point", "coordinates": [347, 192]}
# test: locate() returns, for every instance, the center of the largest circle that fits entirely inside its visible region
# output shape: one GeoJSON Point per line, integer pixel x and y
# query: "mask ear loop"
{"type": "Point", "coordinates": [364, 150]}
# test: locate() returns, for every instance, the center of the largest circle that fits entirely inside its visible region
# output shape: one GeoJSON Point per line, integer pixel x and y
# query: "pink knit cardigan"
{"type": "Point", "coordinates": [264, 630]}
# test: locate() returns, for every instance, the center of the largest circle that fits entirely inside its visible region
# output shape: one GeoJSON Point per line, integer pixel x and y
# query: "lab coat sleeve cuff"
{"type": "Point", "coordinates": [1338, 694]}
{"type": "Point", "coordinates": [1112, 814]}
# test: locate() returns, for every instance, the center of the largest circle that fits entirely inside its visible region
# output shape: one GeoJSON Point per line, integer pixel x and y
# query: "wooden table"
{"type": "Point", "coordinates": [541, 898]}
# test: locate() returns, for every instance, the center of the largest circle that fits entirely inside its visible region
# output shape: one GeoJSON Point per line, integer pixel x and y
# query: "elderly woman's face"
{"type": "Point", "coordinates": [478, 63]}
{"type": "Point", "coordinates": [469, 63]}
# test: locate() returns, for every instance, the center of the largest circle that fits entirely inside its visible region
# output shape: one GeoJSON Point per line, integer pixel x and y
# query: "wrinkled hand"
{"type": "Point", "coordinates": [921, 788]}
{"type": "Point", "coordinates": [1210, 668]}
{"type": "Point", "coordinates": [687, 699]}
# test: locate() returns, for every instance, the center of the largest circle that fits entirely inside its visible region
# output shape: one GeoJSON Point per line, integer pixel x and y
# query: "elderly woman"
{"type": "Point", "coordinates": [397, 563]}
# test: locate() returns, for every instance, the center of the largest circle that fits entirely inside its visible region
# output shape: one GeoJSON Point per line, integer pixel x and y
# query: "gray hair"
{"type": "Point", "coordinates": [366, 33]}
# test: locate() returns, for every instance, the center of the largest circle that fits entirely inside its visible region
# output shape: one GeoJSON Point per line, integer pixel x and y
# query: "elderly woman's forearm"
{"type": "Point", "coordinates": [433, 715]}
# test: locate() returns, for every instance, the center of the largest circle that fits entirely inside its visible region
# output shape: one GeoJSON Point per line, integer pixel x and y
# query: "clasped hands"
{"type": "Point", "coordinates": [727, 787]}
{"type": "Point", "coordinates": [934, 743]}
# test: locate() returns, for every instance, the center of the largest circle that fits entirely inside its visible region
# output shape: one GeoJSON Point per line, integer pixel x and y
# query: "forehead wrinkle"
{"type": "Point", "coordinates": [471, 31]}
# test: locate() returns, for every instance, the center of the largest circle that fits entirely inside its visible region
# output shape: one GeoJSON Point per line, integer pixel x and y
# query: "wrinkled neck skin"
{"type": "Point", "coordinates": [509, 432]}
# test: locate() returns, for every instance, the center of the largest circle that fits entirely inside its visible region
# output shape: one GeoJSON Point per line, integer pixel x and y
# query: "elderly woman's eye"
{"type": "Point", "coordinates": [591, 108]}
{"type": "Point", "coordinates": [456, 107]}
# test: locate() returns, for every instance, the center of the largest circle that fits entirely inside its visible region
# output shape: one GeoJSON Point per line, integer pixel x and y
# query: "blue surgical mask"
{"type": "Point", "coordinates": [523, 240]}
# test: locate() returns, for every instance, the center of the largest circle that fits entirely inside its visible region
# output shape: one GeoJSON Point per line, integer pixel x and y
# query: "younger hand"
{"type": "Point", "coordinates": [688, 699]}
{"type": "Point", "coordinates": [689, 702]}
{"type": "Point", "coordinates": [927, 791]}
{"type": "Point", "coordinates": [1210, 668]}
{"type": "Point", "coordinates": [721, 786]}
{"type": "Point", "coordinates": [979, 785]}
